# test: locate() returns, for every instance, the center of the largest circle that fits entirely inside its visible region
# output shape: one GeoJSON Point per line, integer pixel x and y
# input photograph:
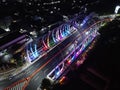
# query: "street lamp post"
{"type": "Point", "coordinates": [116, 9]}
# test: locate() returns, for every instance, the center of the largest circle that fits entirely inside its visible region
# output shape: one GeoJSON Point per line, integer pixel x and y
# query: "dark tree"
{"type": "Point", "coordinates": [46, 84]}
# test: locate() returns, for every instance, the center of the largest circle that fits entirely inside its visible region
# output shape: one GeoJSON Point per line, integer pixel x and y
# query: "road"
{"type": "Point", "coordinates": [40, 62]}
{"type": "Point", "coordinates": [45, 64]}
{"type": "Point", "coordinates": [58, 54]}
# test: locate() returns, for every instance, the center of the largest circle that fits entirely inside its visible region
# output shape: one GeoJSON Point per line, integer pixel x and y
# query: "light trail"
{"type": "Point", "coordinates": [34, 73]}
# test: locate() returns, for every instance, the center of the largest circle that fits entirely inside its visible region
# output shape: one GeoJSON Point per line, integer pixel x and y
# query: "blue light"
{"type": "Point", "coordinates": [73, 57]}
{"type": "Point", "coordinates": [53, 37]}
{"type": "Point", "coordinates": [75, 24]}
{"type": "Point", "coordinates": [67, 29]}
{"type": "Point", "coordinates": [36, 52]}
{"type": "Point", "coordinates": [84, 21]}
{"type": "Point", "coordinates": [62, 32]}
{"type": "Point", "coordinates": [58, 73]}
{"type": "Point", "coordinates": [31, 49]}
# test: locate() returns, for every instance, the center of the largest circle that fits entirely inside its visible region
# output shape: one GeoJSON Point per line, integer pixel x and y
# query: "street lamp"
{"type": "Point", "coordinates": [116, 9]}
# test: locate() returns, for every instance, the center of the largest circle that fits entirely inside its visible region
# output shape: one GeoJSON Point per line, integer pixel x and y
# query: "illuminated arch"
{"type": "Point", "coordinates": [61, 33]}
{"type": "Point", "coordinates": [66, 29]}
{"type": "Point", "coordinates": [75, 24]}
{"type": "Point", "coordinates": [32, 52]}
{"type": "Point", "coordinates": [53, 36]}
{"type": "Point", "coordinates": [57, 35]}
{"type": "Point", "coordinates": [44, 44]}
{"type": "Point", "coordinates": [48, 40]}
{"type": "Point", "coordinates": [28, 56]}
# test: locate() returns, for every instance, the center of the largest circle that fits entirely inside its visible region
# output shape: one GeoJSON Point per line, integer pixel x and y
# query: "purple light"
{"type": "Point", "coordinates": [11, 42]}
{"type": "Point", "coordinates": [77, 53]}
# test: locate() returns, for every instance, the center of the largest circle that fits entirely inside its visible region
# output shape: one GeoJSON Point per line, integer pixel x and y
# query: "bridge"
{"type": "Point", "coordinates": [89, 34]}
{"type": "Point", "coordinates": [85, 35]}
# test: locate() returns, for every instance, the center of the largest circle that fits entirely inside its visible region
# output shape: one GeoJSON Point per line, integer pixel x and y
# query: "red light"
{"type": "Point", "coordinates": [62, 80]}
{"type": "Point", "coordinates": [44, 49]}
{"type": "Point", "coordinates": [69, 61]}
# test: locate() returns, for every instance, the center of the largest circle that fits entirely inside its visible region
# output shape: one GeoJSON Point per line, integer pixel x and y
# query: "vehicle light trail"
{"type": "Point", "coordinates": [35, 72]}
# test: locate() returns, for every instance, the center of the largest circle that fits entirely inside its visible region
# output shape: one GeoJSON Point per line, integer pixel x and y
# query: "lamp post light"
{"type": "Point", "coordinates": [116, 9]}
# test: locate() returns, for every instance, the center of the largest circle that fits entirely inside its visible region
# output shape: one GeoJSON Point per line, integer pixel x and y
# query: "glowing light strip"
{"type": "Point", "coordinates": [67, 29]}
{"type": "Point", "coordinates": [36, 52]}
{"type": "Point", "coordinates": [57, 35]}
{"type": "Point", "coordinates": [57, 73]}
{"type": "Point", "coordinates": [53, 36]}
{"type": "Point", "coordinates": [48, 40]}
{"type": "Point", "coordinates": [44, 43]}
{"type": "Point", "coordinates": [13, 41]}
{"type": "Point", "coordinates": [31, 49]}
{"type": "Point", "coordinates": [61, 31]}
{"type": "Point", "coordinates": [65, 32]}
{"type": "Point", "coordinates": [75, 24]}
{"type": "Point", "coordinates": [61, 35]}
{"type": "Point", "coordinates": [74, 56]}
{"type": "Point", "coordinates": [59, 38]}
{"type": "Point", "coordinates": [28, 57]}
